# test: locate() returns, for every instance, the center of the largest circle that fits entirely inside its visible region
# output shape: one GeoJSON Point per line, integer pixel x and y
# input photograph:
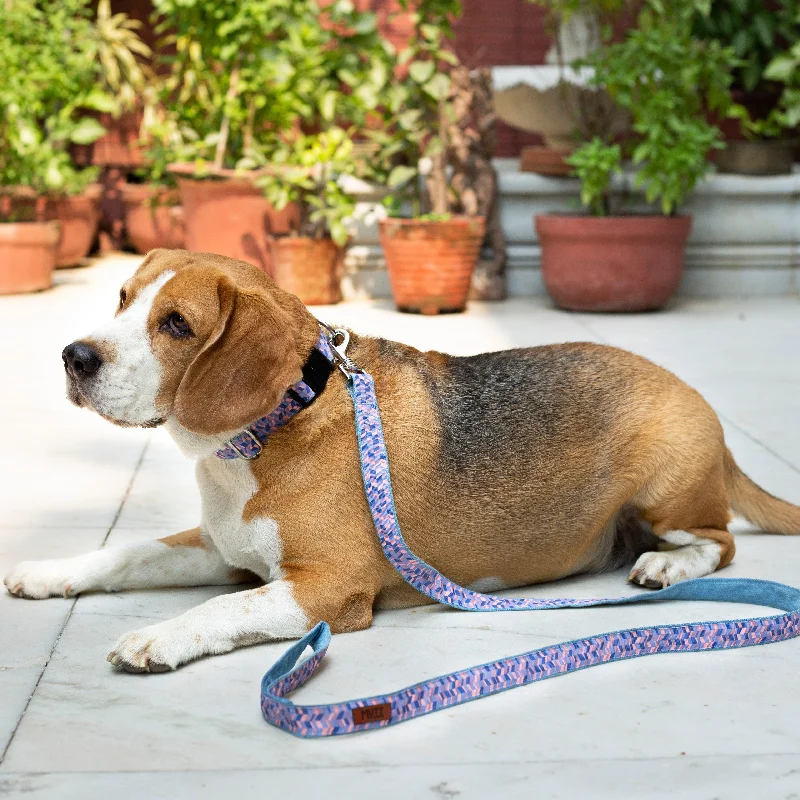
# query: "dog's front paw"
{"type": "Point", "coordinates": [39, 579]}
{"type": "Point", "coordinates": [157, 648]}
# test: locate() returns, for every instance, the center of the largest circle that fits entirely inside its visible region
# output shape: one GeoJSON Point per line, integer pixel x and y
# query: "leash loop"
{"type": "Point", "coordinates": [445, 691]}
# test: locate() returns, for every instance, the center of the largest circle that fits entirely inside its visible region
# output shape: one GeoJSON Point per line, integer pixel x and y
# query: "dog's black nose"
{"type": "Point", "coordinates": [81, 360]}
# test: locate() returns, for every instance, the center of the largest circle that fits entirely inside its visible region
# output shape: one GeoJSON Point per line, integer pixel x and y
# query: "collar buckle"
{"type": "Point", "coordinates": [243, 453]}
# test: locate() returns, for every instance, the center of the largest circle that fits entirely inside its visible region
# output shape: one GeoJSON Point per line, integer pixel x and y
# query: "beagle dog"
{"type": "Point", "coordinates": [509, 468]}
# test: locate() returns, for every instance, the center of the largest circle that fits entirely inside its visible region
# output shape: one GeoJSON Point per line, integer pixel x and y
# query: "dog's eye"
{"type": "Point", "coordinates": [176, 326]}
{"type": "Point", "coordinates": [123, 296]}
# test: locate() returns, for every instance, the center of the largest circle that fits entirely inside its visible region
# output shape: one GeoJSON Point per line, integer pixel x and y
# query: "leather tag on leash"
{"type": "Point", "coordinates": [380, 712]}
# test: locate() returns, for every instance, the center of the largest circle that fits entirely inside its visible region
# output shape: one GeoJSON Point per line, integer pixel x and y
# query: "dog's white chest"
{"type": "Point", "coordinates": [225, 488]}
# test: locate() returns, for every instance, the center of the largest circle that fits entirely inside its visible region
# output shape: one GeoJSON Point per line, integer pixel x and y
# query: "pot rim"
{"type": "Point", "coordinates": [33, 232]}
{"type": "Point", "coordinates": [461, 219]}
{"type": "Point", "coordinates": [611, 218]}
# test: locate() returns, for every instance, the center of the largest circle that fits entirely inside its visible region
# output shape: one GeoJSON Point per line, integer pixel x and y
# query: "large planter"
{"type": "Point", "coordinates": [27, 256]}
{"type": "Point", "coordinates": [308, 268]}
{"type": "Point", "coordinates": [232, 218]}
{"type": "Point", "coordinates": [430, 262]}
{"type": "Point", "coordinates": [630, 263]}
{"type": "Point", "coordinates": [78, 216]}
{"type": "Point", "coordinates": [153, 218]}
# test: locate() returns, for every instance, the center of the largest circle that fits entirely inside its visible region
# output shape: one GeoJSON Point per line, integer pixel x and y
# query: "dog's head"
{"type": "Point", "coordinates": [208, 340]}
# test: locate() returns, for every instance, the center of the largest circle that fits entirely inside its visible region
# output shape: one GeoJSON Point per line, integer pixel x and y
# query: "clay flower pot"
{"type": "Point", "coordinates": [78, 216]}
{"type": "Point", "coordinates": [612, 263]}
{"type": "Point", "coordinates": [309, 268]}
{"type": "Point", "coordinates": [756, 157]}
{"type": "Point", "coordinates": [153, 218]}
{"type": "Point", "coordinates": [27, 256]}
{"type": "Point", "coordinates": [430, 262]}
{"type": "Point", "coordinates": [232, 218]}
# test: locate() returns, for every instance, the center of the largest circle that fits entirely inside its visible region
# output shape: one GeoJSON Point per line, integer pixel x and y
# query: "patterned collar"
{"type": "Point", "coordinates": [316, 371]}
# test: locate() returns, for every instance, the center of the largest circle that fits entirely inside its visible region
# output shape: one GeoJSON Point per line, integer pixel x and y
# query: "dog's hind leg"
{"type": "Point", "coordinates": [692, 525]}
{"type": "Point", "coordinates": [185, 559]}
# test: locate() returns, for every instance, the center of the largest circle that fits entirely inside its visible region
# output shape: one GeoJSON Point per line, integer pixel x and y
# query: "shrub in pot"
{"type": "Point", "coordinates": [431, 255]}
{"type": "Point", "coordinates": [668, 80]}
{"type": "Point", "coordinates": [153, 213]}
{"type": "Point", "coordinates": [243, 73]}
{"type": "Point", "coordinates": [62, 67]}
{"type": "Point", "coordinates": [306, 173]}
{"type": "Point", "coordinates": [765, 84]}
{"type": "Point", "coordinates": [45, 109]}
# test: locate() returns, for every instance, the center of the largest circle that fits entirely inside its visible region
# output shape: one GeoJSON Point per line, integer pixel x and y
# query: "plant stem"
{"type": "Point", "coordinates": [222, 143]}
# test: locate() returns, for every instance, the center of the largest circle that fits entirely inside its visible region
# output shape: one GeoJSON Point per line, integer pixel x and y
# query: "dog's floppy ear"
{"type": "Point", "coordinates": [244, 368]}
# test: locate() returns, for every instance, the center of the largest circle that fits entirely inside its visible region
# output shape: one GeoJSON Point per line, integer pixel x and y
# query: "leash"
{"type": "Point", "coordinates": [311, 721]}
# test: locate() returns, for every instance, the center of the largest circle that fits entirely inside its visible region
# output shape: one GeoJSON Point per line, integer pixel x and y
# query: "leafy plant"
{"type": "Point", "coordinates": [668, 80]}
{"type": "Point", "coordinates": [307, 170]}
{"type": "Point", "coordinates": [595, 164]}
{"type": "Point", "coordinates": [52, 89]}
{"type": "Point", "coordinates": [756, 33]}
{"type": "Point", "coordinates": [245, 71]}
{"type": "Point", "coordinates": [785, 70]}
{"type": "Point", "coordinates": [412, 142]}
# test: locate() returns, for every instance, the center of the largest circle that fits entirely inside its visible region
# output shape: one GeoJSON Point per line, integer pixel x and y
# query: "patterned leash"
{"type": "Point", "coordinates": [310, 721]}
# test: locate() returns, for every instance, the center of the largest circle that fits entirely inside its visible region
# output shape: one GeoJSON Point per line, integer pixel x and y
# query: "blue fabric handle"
{"type": "Point", "coordinates": [445, 691]}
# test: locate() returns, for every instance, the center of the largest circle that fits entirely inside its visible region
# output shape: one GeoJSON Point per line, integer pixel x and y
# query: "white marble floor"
{"type": "Point", "coordinates": [713, 725]}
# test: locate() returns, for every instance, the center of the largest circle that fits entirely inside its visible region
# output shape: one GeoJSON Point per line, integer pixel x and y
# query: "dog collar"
{"type": "Point", "coordinates": [324, 358]}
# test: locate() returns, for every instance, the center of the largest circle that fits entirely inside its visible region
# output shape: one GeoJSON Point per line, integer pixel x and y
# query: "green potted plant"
{"type": "Point", "coordinates": [46, 102]}
{"type": "Point", "coordinates": [669, 81]}
{"type": "Point", "coordinates": [431, 253]}
{"type": "Point", "coordinates": [153, 214]}
{"type": "Point", "coordinates": [244, 73]}
{"type": "Point", "coordinates": [306, 171]}
{"type": "Point", "coordinates": [762, 39]}
{"type": "Point", "coordinates": [92, 68]}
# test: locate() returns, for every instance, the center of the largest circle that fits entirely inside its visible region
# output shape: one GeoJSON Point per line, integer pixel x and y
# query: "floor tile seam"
{"type": "Point", "coordinates": [128, 489]}
{"type": "Point", "coordinates": [406, 765]}
{"type": "Point", "coordinates": [69, 614]}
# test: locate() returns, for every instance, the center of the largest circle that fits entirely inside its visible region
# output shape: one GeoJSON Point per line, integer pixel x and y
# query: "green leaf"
{"type": "Point", "coordinates": [781, 69]}
{"type": "Point", "coordinates": [327, 106]}
{"type": "Point", "coordinates": [86, 131]}
{"type": "Point", "coordinates": [438, 86]}
{"type": "Point", "coordinates": [421, 71]}
{"type": "Point", "coordinates": [100, 101]}
{"type": "Point", "coordinates": [765, 28]}
{"type": "Point", "coordinates": [400, 175]}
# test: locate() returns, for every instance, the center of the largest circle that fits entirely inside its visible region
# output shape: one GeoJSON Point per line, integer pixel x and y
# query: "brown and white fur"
{"type": "Point", "coordinates": [508, 468]}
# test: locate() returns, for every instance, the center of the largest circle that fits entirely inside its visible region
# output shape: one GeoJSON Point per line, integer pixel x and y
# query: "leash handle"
{"type": "Point", "coordinates": [445, 691]}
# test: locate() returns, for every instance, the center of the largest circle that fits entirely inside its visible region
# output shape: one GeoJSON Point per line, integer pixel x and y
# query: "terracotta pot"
{"type": "Point", "coordinates": [612, 263]}
{"type": "Point", "coordinates": [308, 268]}
{"type": "Point", "coordinates": [27, 256]}
{"type": "Point", "coordinates": [232, 218]}
{"type": "Point", "coordinates": [545, 160]}
{"type": "Point", "coordinates": [78, 216]}
{"type": "Point", "coordinates": [430, 263]}
{"type": "Point", "coordinates": [746, 157]}
{"type": "Point", "coordinates": [153, 218]}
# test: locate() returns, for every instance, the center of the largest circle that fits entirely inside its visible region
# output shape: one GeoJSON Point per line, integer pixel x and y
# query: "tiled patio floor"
{"type": "Point", "coordinates": [690, 726]}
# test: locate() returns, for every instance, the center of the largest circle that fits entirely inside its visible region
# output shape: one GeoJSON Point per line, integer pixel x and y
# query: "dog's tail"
{"type": "Point", "coordinates": [757, 506]}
